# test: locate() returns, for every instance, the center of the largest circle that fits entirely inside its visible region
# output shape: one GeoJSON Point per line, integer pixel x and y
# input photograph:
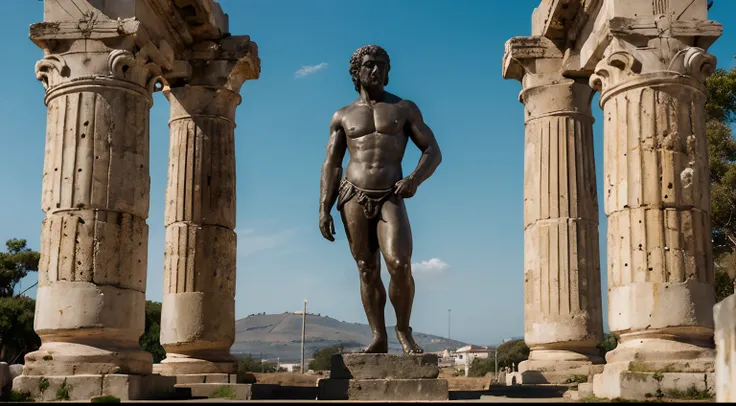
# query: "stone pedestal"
{"type": "Point", "coordinates": [724, 315]}
{"type": "Point", "coordinates": [657, 188]}
{"type": "Point", "coordinates": [562, 300]}
{"type": "Point", "coordinates": [198, 310]}
{"type": "Point", "coordinates": [384, 377]}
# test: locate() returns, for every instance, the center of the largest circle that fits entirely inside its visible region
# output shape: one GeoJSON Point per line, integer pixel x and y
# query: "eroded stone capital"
{"type": "Point", "coordinates": [98, 51]}
{"type": "Point", "coordinates": [534, 55]}
{"type": "Point", "coordinates": [226, 64]}
{"type": "Point", "coordinates": [625, 66]}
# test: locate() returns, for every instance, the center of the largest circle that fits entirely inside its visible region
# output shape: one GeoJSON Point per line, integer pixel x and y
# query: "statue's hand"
{"type": "Point", "coordinates": [406, 187]}
{"type": "Point", "coordinates": [327, 226]}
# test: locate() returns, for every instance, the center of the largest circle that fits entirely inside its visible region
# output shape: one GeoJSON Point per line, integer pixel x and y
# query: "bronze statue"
{"type": "Point", "coordinates": [375, 128]}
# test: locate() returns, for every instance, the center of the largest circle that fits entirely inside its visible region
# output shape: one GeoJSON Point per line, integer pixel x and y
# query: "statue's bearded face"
{"type": "Point", "coordinates": [373, 71]}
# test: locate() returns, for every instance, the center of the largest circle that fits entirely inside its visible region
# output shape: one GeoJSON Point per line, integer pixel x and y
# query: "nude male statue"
{"type": "Point", "coordinates": [375, 128]}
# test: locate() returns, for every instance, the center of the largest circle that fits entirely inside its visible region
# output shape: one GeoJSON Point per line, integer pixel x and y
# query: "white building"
{"type": "Point", "coordinates": [464, 356]}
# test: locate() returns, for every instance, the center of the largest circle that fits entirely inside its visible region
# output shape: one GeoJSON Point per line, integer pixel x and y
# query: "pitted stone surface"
{"type": "Point", "coordinates": [85, 387]}
{"type": "Point", "coordinates": [384, 366]}
{"type": "Point", "coordinates": [398, 389]}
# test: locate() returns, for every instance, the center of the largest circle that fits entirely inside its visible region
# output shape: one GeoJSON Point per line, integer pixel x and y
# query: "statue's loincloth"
{"type": "Point", "coordinates": [371, 200]}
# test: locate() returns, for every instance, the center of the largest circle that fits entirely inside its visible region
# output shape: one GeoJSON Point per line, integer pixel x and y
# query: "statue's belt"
{"type": "Point", "coordinates": [371, 200]}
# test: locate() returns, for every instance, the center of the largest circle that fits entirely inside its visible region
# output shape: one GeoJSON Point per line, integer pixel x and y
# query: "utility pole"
{"type": "Point", "coordinates": [304, 331]}
{"type": "Point", "coordinates": [448, 323]}
{"type": "Point", "coordinates": [495, 355]}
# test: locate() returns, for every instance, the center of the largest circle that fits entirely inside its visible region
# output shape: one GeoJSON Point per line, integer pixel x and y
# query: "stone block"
{"type": "Point", "coordinates": [562, 373]}
{"type": "Point", "coordinates": [724, 316]}
{"type": "Point", "coordinates": [585, 389]}
{"type": "Point", "coordinates": [238, 391]}
{"type": "Point", "coordinates": [16, 370]}
{"type": "Point", "coordinates": [227, 390]}
{"type": "Point", "coordinates": [634, 385]}
{"type": "Point", "coordinates": [384, 366]}
{"type": "Point", "coordinates": [207, 378]}
{"type": "Point", "coordinates": [85, 387]}
{"type": "Point", "coordinates": [332, 389]}
{"type": "Point", "coordinates": [398, 389]}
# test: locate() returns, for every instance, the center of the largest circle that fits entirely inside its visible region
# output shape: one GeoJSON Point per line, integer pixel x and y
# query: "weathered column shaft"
{"type": "Point", "coordinates": [94, 239]}
{"type": "Point", "coordinates": [562, 301]}
{"type": "Point", "coordinates": [198, 314]}
{"type": "Point", "coordinates": [660, 264]}
{"type": "Point", "coordinates": [198, 311]}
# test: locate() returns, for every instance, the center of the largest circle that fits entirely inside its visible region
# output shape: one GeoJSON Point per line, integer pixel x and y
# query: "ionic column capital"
{"type": "Point", "coordinates": [83, 53]}
{"type": "Point", "coordinates": [653, 50]}
{"type": "Point", "coordinates": [225, 64]}
{"type": "Point", "coordinates": [626, 66]}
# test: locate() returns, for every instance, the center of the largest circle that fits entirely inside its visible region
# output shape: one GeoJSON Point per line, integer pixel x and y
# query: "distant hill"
{"type": "Point", "coordinates": [279, 335]}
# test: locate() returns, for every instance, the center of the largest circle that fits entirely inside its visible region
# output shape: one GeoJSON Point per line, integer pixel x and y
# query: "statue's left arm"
{"type": "Point", "coordinates": [424, 139]}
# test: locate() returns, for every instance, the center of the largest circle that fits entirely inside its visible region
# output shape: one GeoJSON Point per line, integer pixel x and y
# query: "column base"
{"type": "Point", "coordinates": [66, 359]}
{"type": "Point", "coordinates": [645, 368]}
{"type": "Point", "coordinates": [181, 365]}
{"type": "Point", "coordinates": [85, 387]}
{"type": "Point", "coordinates": [621, 383]}
{"type": "Point", "coordinates": [558, 367]}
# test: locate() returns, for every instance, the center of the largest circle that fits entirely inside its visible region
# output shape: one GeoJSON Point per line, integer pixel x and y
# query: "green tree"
{"type": "Point", "coordinates": [150, 341]}
{"type": "Point", "coordinates": [720, 115]}
{"type": "Point", "coordinates": [512, 352]}
{"type": "Point", "coordinates": [17, 336]}
{"type": "Point", "coordinates": [15, 265]}
{"type": "Point", "coordinates": [482, 366]}
{"type": "Point", "coordinates": [322, 358]}
{"type": "Point", "coordinates": [609, 343]}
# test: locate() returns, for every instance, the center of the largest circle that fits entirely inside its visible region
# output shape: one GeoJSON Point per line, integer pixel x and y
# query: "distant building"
{"type": "Point", "coordinates": [291, 367]}
{"type": "Point", "coordinates": [464, 356]}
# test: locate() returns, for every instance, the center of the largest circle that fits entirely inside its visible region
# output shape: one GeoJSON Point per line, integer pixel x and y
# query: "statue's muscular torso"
{"type": "Point", "coordinates": [376, 139]}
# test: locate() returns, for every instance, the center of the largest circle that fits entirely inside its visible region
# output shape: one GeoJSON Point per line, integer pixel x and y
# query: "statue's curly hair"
{"type": "Point", "coordinates": [357, 59]}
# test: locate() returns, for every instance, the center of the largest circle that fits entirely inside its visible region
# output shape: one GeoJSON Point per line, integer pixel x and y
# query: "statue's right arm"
{"type": "Point", "coordinates": [332, 167]}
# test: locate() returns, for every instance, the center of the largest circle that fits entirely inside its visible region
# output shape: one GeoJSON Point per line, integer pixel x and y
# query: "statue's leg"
{"type": "Point", "coordinates": [361, 234]}
{"type": "Point", "coordinates": [395, 241]}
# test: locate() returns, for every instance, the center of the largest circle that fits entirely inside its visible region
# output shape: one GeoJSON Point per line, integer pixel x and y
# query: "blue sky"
{"type": "Point", "coordinates": [467, 219]}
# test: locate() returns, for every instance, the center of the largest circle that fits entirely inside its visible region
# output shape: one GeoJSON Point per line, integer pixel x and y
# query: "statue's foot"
{"type": "Point", "coordinates": [408, 343]}
{"type": "Point", "coordinates": [379, 345]}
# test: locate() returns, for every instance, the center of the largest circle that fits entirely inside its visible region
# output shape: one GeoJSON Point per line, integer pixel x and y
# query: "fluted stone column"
{"type": "Point", "coordinates": [657, 198]}
{"type": "Point", "coordinates": [724, 315]}
{"type": "Point", "coordinates": [198, 312]}
{"type": "Point", "coordinates": [94, 239]}
{"type": "Point", "coordinates": [562, 300]}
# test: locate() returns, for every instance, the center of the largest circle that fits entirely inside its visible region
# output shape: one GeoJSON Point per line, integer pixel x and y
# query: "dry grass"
{"type": "Point", "coordinates": [288, 379]}
{"type": "Point", "coordinates": [461, 383]}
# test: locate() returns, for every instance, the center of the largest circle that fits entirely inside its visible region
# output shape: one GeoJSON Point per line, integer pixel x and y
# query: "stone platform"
{"type": "Point", "coordinates": [389, 377]}
{"type": "Point", "coordinates": [224, 385]}
{"type": "Point", "coordinates": [644, 385]}
{"type": "Point", "coordinates": [560, 373]}
{"type": "Point", "coordinates": [85, 387]}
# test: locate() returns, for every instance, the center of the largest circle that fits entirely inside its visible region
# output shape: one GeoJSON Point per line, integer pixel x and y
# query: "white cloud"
{"type": "Point", "coordinates": [308, 70]}
{"type": "Point", "coordinates": [434, 265]}
{"type": "Point", "coordinates": [250, 242]}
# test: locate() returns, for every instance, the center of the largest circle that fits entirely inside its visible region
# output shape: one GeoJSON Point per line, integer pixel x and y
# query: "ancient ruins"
{"type": "Point", "coordinates": [102, 62]}
{"type": "Point", "coordinates": [649, 61]}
